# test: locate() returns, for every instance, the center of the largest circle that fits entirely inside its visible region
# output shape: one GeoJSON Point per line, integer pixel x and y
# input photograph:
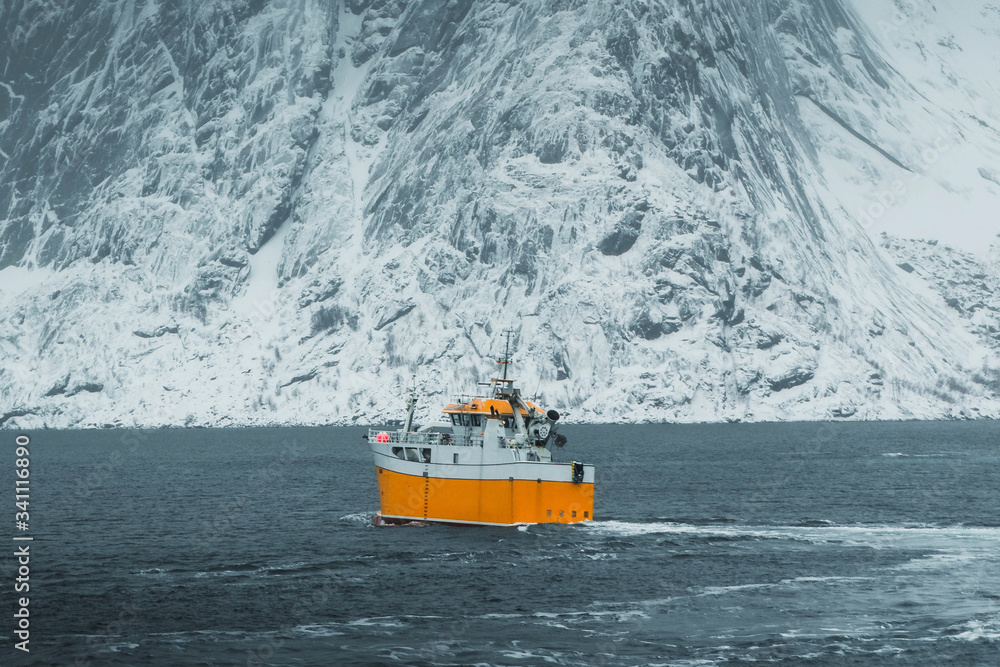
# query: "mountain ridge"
{"type": "Point", "coordinates": [331, 202]}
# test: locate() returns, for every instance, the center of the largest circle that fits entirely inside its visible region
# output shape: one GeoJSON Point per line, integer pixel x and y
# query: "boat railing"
{"type": "Point", "coordinates": [464, 399]}
{"type": "Point", "coordinates": [417, 438]}
{"type": "Point", "coordinates": [514, 444]}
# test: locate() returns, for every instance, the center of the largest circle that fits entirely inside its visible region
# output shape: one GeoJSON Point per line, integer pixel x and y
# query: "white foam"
{"type": "Point", "coordinates": [978, 630]}
{"type": "Point", "coordinates": [723, 590]}
{"type": "Point", "coordinates": [377, 622]}
{"type": "Point", "coordinates": [961, 544]}
{"type": "Point", "coordinates": [317, 630]}
{"type": "Point", "coordinates": [248, 572]}
{"type": "Point", "coordinates": [823, 533]}
{"type": "Point", "coordinates": [939, 561]}
{"type": "Point", "coordinates": [527, 655]}
{"type": "Point", "coordinates": [738, 588]}
{"type": "Point", "coordinates": [936, 455]}
{"type": "Point", "coordinates": [823, 580]}
{"type": "Point", "coordinates": [114, 648]}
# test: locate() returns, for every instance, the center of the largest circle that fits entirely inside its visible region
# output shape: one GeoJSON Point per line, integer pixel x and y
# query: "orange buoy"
{"type": "Point", "coordinates": [382, 437]}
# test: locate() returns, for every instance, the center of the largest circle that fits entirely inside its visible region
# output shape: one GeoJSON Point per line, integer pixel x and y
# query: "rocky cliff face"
{"type": "Point", "coordinates": [287, 212]}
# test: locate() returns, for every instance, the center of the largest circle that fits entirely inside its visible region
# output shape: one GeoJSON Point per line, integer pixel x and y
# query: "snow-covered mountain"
{"type": "Point", "coordinates": [251, 211]}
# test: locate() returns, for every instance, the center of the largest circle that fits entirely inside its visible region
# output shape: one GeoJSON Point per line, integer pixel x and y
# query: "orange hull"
{"type": "Point", "coordinates": [483, 501]}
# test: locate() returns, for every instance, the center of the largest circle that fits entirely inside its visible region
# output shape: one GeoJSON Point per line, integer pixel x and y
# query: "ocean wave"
{"type": "Point", "coordinates": [977, 630]}
{"type": "Point", "coordinates": [814, 523]}
{"type": "Point", "coordinates": [378, 622]}
{"type": "Point", "coordinates": [938, 561]}
{"type": "Point", "coordinates": [621, 615]}
{"type": "Point", "coordinates": [524, 654]}
{"type": "Point", "coordinates": [932, 455]}
{"type": "Point", "coordinates": [246, 569]}
{"type": "Point", "coordinates": [699, 521]}
{"type": "Point", "coordinates": [794, 582]}
{"type": "Point", "coordinates": [318, 630]}
{"type": "Point", "coordinates": [115, 648]}
{"type": "Point", "coordinates": [723, 590]}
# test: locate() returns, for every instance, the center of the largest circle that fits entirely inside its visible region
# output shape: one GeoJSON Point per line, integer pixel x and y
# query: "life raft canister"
{"type": "Point", "coordinates": [382, 437]}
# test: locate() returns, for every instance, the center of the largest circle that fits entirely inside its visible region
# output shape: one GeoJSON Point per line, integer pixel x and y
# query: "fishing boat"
{"type": "Point", "coordinates": [489, 462]}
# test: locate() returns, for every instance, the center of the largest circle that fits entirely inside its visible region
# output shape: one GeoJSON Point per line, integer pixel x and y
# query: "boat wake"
{"type": "Point", "coordinates": [948, 539]}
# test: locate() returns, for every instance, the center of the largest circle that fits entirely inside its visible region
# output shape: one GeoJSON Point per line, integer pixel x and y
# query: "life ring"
{"type": "Point", "coordinates": [382, 437]}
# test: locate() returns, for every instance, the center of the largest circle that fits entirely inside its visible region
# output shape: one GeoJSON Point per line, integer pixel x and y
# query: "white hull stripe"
{"type": "Point", "coordinates": [530, 471]}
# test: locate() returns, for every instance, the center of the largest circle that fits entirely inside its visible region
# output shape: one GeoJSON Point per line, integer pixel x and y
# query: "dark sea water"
{"type": "Point", "coordinates": [815, 544]}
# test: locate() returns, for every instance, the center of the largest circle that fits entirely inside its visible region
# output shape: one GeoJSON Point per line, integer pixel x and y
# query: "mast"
{"type": "Point", "coordinates": [411, 406]}
{"type": "Point", "coordinates": [505, 361]}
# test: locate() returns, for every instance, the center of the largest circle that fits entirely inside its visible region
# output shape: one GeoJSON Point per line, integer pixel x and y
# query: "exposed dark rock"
{"type": "Point", "coordinates": [11, 414]}
{"type": "Point", "coordinates": [236, 260]}
{"type": "Point", "coordinates": [553, 150]}
{"type": "Point", "coordinates": [90, 387]}
{"type": "Point", "coordinates": [624, 235]}
{"type": "Point", "coordinates": [651, 328]}
{"type": "Point", "coordinates": [401, 312]}
{"type": "Point", "coordinates": [157, 332]}
{"type": "Point", "coordinates": [646, 327]}
{"type": "Point", "coordinates": [59, 387]}
{"type": "Point", "coordinates": [791, 378]}
{"type": "Point", "coordinates": [727, 310]}
{"type": "Point", "coordinates": [320, 292]}
{"type": "Point", "coordinates": [757, 285]}
{"type": "Point", "coordinates": [305, 377]}
{"type": "Point", "coordinates": [332, 317]}
{"type": "Point", "coordinates": [768, 340]}
{"type": "Point", "coordinates": [622, 42]}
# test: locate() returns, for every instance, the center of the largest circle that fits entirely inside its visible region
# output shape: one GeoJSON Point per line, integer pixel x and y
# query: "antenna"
{"type": "Point", "coordinates": [505, 361]}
